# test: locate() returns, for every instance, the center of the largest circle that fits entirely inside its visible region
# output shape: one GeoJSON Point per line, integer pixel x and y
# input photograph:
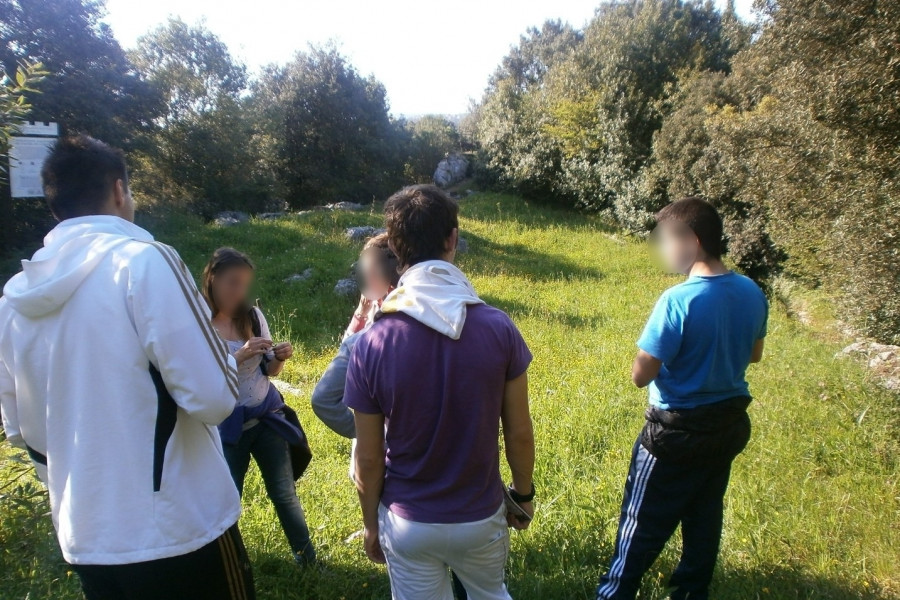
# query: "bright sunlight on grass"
{"type": "Point", "coordinates": [813, 507]}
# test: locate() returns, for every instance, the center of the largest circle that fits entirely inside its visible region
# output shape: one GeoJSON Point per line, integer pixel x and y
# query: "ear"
{"type": "Point", "coordinates": [452, 241]}
{"type": "Point", "coordinates": [120, 191]}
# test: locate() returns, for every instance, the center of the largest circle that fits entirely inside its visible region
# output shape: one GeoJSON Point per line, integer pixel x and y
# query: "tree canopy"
{"type": "Point", "coordinates": [789, 125]}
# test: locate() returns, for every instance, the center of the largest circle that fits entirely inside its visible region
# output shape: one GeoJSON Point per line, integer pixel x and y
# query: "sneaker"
{"type": "Point", "coordinates": [306, 556]}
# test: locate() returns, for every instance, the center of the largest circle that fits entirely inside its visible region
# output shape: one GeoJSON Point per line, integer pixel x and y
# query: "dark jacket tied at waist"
{"type": "Point", "coordinates": [708, 434]}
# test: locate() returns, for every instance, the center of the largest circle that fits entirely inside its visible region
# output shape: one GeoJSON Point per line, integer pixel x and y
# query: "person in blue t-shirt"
{"type": "Point", "coordinates": [693, 354]}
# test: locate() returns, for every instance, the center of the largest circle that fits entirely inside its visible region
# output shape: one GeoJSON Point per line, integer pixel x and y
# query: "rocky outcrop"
{"type": "Point", "coordinates": [451, 170]}
{"type": "Point", "coordinates": [345, 206]}
{"type": "Point", "coordinates": [348, 288]}
{"type": "Point", "coordinates": [358, 234]}
{"type": "Point", "coordinates": [883, 361]}
{"type": "Point", "coordinates": [230, 217]}
{"type": "Point", "coordinates": [300, 277]}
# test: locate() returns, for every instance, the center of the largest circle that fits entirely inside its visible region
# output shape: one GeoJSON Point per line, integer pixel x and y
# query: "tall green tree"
{"type": "Point", "coordinates": [201, 156]}
{"type": "Point", "coordinates": [571, 116]}
{"type": "Point", "coordinates": [812, 142]}
{"type": "Point", "coordinates": [91, 86]}
{"type": "Point", "coordinates": [511, 119]}
{"type": "Point", "coordinates": [190, 66]}
{"type": "Point", "coordinates": [330, 129]}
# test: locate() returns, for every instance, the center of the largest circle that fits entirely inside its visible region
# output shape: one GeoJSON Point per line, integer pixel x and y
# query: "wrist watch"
{"type": "Point", "coordinates": [520, 498]}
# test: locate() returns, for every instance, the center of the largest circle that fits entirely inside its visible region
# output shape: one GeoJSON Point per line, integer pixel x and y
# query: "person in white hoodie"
{"type": "Point", "coordinates": [113, 380]}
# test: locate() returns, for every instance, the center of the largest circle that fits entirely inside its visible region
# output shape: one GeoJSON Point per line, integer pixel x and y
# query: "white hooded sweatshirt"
{"type": "Point", "coordinates": [435, 293]}
{"type": "Point", "coordinates": [114, 379]}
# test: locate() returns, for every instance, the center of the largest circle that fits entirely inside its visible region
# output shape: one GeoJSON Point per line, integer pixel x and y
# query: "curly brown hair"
{"type": "Point", "coordinates": [419, 219]}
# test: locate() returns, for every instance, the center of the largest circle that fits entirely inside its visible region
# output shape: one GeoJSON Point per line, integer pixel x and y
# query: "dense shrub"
{"type": "Point", "coordinates": [328, 130]}
{"type": "Point", "coordinates": [429, 140]}
{"type": "Point", "coordinates": [793, 135]}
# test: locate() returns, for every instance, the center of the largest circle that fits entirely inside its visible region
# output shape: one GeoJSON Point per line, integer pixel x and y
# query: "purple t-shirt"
{"type": "Point", "coordinates": [441, 399]}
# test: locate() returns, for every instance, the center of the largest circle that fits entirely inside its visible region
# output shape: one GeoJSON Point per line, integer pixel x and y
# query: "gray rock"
{"type": "Point", "coordinates": [357, 234]}
{"type": "Point", "coordinates": [882, 360]}
{"type": "Point", "coordinates": [270, 216]}
{"type": "Point", "coordinates": [299, 277]}
{"type": "Point", "coordinates": [345, 206]}
{"type": "Point", "coordinates": [347, 287]}
{"type": "Point", "coordinates": [462, 246]}
{"type": "Point", "coordinates": [451, 170]}
{"type": "Point", "coordinates": [231, 217]}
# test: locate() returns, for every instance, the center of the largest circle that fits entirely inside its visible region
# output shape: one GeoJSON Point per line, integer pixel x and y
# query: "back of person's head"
{"type": "Point", "coordinates": [79, 176]}
{"type": "Point", "coordinates": [379, 248]}
{"type": "Point", "coordinates": [419, 220]}
{"type": "Point", "coordinates": [702, 218]}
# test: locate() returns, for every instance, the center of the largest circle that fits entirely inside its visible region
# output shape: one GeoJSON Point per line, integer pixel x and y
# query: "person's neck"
{"type": "Point", "coordinates": [223, 317]}
{"type": "Point", "coordinates": [708, 267]}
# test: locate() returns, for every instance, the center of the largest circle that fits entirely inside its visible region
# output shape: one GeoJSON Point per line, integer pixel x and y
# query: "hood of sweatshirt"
{"type": "Point", "coordinates": [436, 294]}
{"type": "Point", "coordinates": [71, 252]}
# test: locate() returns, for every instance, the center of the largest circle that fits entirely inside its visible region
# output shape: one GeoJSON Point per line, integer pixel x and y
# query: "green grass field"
{"type": "Point", "coordinates": [814, 503]}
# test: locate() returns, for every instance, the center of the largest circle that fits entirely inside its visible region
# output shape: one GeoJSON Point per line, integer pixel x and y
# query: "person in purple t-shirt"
{"type": "Point", "coordinates": [430, 383]}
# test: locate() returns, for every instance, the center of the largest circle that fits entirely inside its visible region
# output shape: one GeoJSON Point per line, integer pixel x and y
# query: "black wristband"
{"type": "Point", "coordinates": [520, 498]}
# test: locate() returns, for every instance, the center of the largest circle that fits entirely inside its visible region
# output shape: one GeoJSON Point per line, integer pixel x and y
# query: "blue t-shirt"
{"type": "Point", "coordinates": [703, 331]}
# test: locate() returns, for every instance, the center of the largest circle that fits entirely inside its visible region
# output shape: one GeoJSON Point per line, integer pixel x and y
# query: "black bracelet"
{"type": "Point", "coordinates": [520, 498]}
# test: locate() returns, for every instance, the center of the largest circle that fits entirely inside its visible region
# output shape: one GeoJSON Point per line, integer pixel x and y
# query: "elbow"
{"type": "Point", "coordinates": [211, 412]}
{"type": "Point", "coordinates": [214, 415]}
{"type": "Point", "coordinates": [520, 440]}
{"type": "Point", "coordinates": [639, 380]}
{"type": "Point", "coordinates": [369, 469]}
{"type": "Point", "coordinates": [315, 401]}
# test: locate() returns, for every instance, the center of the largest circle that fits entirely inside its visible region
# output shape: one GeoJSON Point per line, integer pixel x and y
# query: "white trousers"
{"type": "Point", "coordinates": [419, 556]}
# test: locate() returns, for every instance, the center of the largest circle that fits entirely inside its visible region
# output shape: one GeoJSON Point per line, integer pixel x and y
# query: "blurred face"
{"type": "Point", "coordinates": [230, 288]}
{"type": "Point", "coordinates": [678, 245]}
{"type": "Point", "coordinates": [374, 285]}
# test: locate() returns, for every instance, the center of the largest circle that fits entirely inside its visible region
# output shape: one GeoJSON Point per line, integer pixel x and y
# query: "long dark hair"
{"type": "Point", "coordinates": [223, 260]}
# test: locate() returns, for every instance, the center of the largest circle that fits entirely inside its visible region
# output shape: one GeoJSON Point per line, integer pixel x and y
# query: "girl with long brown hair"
{"type": "Point", "coordinates": [260, 425]}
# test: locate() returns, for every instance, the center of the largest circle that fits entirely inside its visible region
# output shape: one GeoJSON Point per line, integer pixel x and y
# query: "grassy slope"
{"type": "Point", "coordinates": [813, 506]}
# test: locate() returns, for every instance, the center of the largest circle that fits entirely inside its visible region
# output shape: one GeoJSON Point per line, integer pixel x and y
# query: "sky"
{"type": "Point", "coordinates": [432, 57]}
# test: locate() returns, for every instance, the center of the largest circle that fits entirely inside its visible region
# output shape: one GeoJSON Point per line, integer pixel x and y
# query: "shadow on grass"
{"type": "Point", "coordinates": [566, 569]}
{"type": "Point", "coordinates": [492, 207]}
{"type": "Point", "coordinates": [488, 258]}
{"type": "Point", "coordinates": [518, 310]}
{"type": "Point", "coordinates": [278, 578]}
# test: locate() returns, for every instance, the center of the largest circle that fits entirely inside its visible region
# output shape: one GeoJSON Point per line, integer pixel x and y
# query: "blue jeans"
{"type": "Point", "coordinates": [270, 451]}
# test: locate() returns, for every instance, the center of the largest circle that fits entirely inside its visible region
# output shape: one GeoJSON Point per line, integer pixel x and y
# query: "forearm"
{"type": "Point", "coordinates": [520, 456]}
{"type": "Point", "coordinates": [369, 465]}
{"type": "Point", "coordinates": [369, 486]}
{"type": "Point", "coordinates": [274, 367]}
{"type": "Point", "coordinates": [357, 323]}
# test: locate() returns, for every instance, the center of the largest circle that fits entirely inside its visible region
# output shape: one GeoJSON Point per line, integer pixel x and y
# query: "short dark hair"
{"type": "Point", "coordinates": [419, 219]}
{"type": "Point", "coordinates": [703, 219]}
{"type": "Point", "coordinates": [79, 175]}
